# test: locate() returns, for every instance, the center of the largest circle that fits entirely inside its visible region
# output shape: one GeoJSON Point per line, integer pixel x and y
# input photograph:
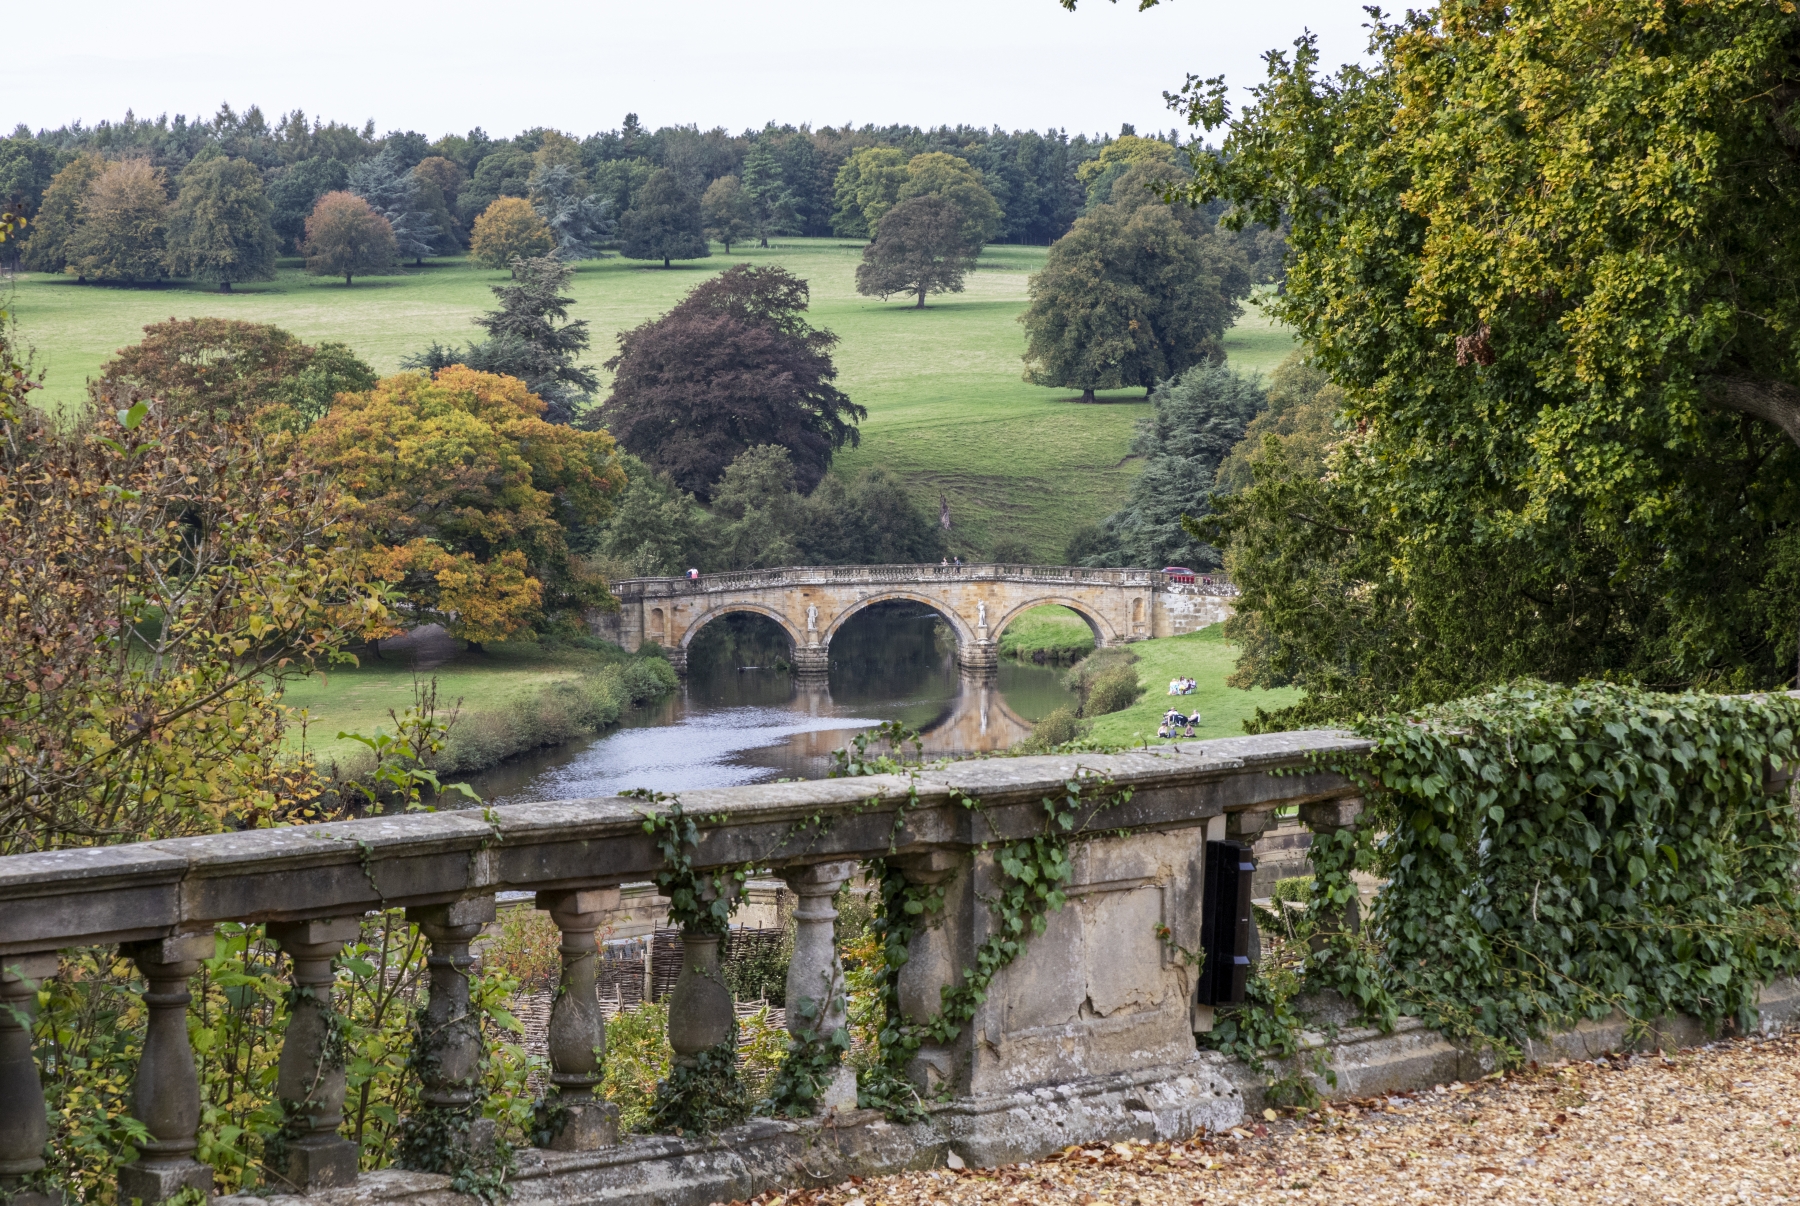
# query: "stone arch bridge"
{"type": "Point", "coordinates": [811, 603]}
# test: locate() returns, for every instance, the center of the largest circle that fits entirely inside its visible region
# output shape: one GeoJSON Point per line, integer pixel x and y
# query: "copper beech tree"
{"type": "Point", "coordinates": [159, 580]}
{"type": "Point", "coordinates": [463, 496]}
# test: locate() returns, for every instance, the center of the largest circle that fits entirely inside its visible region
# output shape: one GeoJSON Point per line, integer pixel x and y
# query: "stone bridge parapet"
{"type": "Point", "coordinates": [1086, 1037]}
{"type": "Point", "coordinates": [811, 603]}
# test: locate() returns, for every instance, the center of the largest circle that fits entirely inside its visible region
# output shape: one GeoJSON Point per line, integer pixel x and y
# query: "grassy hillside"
{"type": "Point", "coordinates": [947, 410]}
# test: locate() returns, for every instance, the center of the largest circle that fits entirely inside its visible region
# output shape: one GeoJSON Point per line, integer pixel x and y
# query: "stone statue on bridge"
{"type": "Point", "coordinates": [812, 618]}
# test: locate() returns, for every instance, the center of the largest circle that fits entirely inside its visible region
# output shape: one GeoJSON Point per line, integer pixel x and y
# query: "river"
{"type": "Point", "coordinates": [742, 718]}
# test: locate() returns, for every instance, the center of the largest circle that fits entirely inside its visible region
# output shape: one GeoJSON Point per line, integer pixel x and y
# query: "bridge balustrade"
{"type": "Point", "coordinates": [1098, 995]}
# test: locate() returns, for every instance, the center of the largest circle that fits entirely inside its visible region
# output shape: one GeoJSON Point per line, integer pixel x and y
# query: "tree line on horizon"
{"type": "Point", "coordinates": [90, 195]}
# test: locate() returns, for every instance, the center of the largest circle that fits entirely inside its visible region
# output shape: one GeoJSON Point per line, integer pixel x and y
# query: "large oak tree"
{"type": "Point", "coordinates": [734, 364]}
{"type": "Point", "coordinates": [219, 230]}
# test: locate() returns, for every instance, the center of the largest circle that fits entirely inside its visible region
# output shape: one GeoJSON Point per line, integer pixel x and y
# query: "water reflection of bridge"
{"type": "Point", "coordinates": [977, 721]}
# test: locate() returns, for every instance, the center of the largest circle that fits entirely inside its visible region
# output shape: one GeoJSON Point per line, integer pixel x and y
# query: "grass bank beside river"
{"type": "Point", "coordinates": [507, 698]}
{"type": "Point", "coordinates": [1056, 634]}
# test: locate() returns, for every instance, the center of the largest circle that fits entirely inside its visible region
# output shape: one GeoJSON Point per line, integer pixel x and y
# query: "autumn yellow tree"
{"type": "Point", "coordinates": [509, 227]}
{"type": "Point", "coordinates": [123, 228]}
{"type": "Point", "coordinates": [465, 497]}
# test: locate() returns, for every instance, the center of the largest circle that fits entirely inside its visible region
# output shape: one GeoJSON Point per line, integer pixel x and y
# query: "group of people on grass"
{"type": "Point", "coordinates": [1176, 723]}
{"type": "Point", "coordinates": [1181, 686]}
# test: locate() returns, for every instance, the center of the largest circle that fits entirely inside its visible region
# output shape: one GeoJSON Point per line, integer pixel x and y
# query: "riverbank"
{"type": "Point", "coordinates": [1047, 634]}
{"type": "Point", "coordinates": [1207, 658]}
{"type": "Point", "coordinates": [501, 700]}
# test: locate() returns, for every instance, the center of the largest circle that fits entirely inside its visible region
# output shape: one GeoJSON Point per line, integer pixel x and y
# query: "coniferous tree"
{"type": "Point", "coordinates": [526, 341]}
{"type": "Point", "coordinates": [578, 220]}
{"type": "Point", "coordinates": [664, 222]}
{"type": "Point", "coordinates": [390, 190]}
{"type": "Point", "coordinates": [219, 228]}
{"type": "Point", "coordinates": [123, 227]}
{"type": "Point", "coordinates": [918, 249]}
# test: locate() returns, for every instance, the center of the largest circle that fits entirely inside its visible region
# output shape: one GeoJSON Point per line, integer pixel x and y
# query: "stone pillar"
{"type": "Point", "coordinates": [577, 1029]}
{"type": "Point", "coordinates": [812, 661]}
{"type": "Point", "coordinates": [23, 1127]}
{"type": "Point", "coordinates": [701, 1013]}
{"type": "Point", "coordinates": [166, 1095]}
{"type": "Point", "coordinates": [451, 1034]}
{"type": "Point", "coordinates": [816, 973]}
{"type": "Point", "coordinates": [1327, 818]}
{"type": "Point", "coordinates": [932, 964]}
{"type": "Point", "coordinates": [310, 1076]}
{"type": "Point", "coordinates": [677, 655]}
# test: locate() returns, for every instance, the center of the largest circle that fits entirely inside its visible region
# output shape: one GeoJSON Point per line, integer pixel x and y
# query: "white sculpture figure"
{"type": "Point", "coordinates": [812, 619]}
{"type": "Point", "coordinates": [981, 613]}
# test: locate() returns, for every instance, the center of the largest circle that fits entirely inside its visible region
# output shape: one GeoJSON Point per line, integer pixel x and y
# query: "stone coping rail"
{"type": "Point", "coordinates": [1089, 1031]}
{"type": "Point", "coordinates": [127, 893]}
{"type": "Point", "coordinates": [822, 575]}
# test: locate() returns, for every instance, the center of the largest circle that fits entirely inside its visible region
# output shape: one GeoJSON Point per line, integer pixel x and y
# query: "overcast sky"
{"type": "Point", "coordinates": [450, 65]}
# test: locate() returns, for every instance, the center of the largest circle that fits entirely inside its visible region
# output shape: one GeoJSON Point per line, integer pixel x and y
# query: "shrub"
{"type": "Point", "coordinates": [555, 713]}
{"type": "Point", "coordinates": [1106, 681]}
{"type": "Point", "coordinates": [1058, 728]}
{"type": "Point", "coordinates": [528, 948]}
{"type": "Point", "coordinates": [637, 1056]}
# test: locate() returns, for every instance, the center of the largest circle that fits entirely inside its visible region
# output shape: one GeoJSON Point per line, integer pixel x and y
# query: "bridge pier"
{"type": "Point", "coordinates": [812, 661]}
{"type": "Point", "coordinates": [978, 659]}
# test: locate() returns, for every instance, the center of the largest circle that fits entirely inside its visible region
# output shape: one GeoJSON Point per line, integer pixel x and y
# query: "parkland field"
{"type": "Point", "coordinates": [948, 412]}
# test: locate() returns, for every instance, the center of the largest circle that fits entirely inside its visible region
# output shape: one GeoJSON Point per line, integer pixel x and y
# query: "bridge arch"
{"type": "Point", "coordinates": [727, 608]}
{"type": "Point", "coordinates": [965, 636]}
{"type": "Point", "coordinates": [1104, 634]}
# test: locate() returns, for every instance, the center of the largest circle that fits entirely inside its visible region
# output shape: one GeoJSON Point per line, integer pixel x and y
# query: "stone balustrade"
{"type": "Point", "coordinates": [1087, 1036]}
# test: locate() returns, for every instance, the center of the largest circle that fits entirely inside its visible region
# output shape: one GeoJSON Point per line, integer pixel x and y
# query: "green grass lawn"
{"type": "Point", "coordinates": [1057, 631]}
{"type": "Point", "coordinates": [357, 699]}
{"type": "Point", "coordinates": [947, 410]}
{"type": "Point", "coordinates": [1204, 656]}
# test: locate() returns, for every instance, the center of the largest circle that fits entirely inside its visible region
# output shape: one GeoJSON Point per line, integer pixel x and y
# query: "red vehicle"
{"type": "Point", "coordinates": [1178, 573]}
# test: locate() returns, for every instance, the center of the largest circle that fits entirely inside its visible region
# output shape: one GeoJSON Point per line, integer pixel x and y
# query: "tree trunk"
{"type": "Point", "coordinates": [1087, 395]}
{"type": "Point", "coordinates": [665, 261]}
{"type": "Point", "coordinates": [346, 278]}
{"type": "Point", "coordinates": [921, 304]}
{"type": "Point", "coordinates": [224, 286]}
{"type": "Point", "coordinates": [1775, 402]}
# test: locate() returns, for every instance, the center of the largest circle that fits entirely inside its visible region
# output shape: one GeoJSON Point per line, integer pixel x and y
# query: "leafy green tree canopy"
{"type": "Point", "coordinates": [664, 222]}
{"type": "Point", "coordinates": [1130, 297]}
{"type": "Point", "coordinates": [919, 249]}
{"type": "Point", "coordinates": [52, 229]}
{"type": "Point", "coordinates": [219, 228]}
{"type": "Point", "coordinates": [938, 174]}
{"type": "Point", "coordinates": [725, 207]}
{"type": "Point", "coordinates": [1546, 249]}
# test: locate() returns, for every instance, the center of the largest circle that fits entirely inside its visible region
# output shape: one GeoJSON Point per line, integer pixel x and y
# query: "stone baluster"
{"type": "Point", "coordinates": [577, 1029]}
{"type": "Point", "coordinates": [815, 980]}
{"type": "Point", "coordinates": [449, 1066]}
{"type": "Point", "coordinates": [1327, 818]}
{"type": "Point", "coordinates": [166, 1095]}
{"type": "Point", "coordinates": [24, 1129]}
{"type": "Point", "coordinates": [701, 1013]}
{"type": "Point", "coordinates": [932, 964]}
{"type": "Point", "coordinates": [310, 1076]}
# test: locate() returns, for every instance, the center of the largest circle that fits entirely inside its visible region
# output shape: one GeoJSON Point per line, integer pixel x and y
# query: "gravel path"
{"type": "Point", "coordinates": [1714, 1124]}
